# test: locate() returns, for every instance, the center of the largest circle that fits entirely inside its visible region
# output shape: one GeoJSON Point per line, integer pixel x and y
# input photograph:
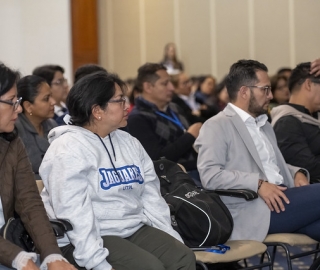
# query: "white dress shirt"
{"type": "Point", "coordinates": [262, 143]}
{"type": "Point", "coordinates": [191, 101]}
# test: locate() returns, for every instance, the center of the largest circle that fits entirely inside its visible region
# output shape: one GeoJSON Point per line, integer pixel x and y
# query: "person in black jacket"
{"type": "Point", "coordinates": [157, 123]}
{"type": "Point", "coordinates": [297, 123]}
{"type": "Point", "coordinates": [185, 99]}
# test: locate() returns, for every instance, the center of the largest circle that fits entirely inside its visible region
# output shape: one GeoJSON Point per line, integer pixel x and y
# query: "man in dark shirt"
{"type": "Point", "coordinates": [297, 124]}
{"type": "Point", "coordinates": [157, 123]}
{"type": "Point", "coordinates": [185, 99]}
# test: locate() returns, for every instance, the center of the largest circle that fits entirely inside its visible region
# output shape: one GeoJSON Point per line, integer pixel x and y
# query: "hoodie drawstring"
{"type": "Point", "coordinates": [114, 154]}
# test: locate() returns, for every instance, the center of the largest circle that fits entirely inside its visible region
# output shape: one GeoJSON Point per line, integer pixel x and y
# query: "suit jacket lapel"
{"type": "Point", "coordinates": [244, 135]}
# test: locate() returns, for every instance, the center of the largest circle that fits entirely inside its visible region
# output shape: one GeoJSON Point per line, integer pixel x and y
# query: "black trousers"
{"type": "Point", "coordinates": [147, 249]}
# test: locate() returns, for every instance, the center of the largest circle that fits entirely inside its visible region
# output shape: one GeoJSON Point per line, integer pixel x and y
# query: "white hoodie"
{"type": "Point", "coordinates": [82, 186]}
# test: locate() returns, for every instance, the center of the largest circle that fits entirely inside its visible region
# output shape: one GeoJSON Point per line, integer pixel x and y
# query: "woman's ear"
{"type": "Point", "coordinates": [27, 107]}
{"type": "Point", "coordinates": [97, 112]}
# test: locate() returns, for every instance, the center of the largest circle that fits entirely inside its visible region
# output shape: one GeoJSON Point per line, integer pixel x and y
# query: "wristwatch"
{"type": "Point", "coordinates": [304, 172]}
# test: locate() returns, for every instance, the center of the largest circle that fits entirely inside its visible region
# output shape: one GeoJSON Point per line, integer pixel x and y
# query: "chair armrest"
{"type": "Point", "coordinates": [246, 194]}
{"type": "Point", "coordinates": [66, 224]}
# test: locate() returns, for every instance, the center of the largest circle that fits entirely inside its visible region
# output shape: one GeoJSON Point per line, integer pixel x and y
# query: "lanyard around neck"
{"type": "Point", "coordinates": [174, 119]}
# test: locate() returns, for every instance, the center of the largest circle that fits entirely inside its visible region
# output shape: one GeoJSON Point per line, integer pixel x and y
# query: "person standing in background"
{"type": "Point", "coordinates": [170, 60]}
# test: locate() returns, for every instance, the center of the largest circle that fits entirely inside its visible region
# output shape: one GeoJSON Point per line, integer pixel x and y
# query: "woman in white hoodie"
{"type": "Point", "coordinates": [101, 179]}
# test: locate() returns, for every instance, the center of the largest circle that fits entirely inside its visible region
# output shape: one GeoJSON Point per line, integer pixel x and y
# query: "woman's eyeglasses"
{"type": "Point", "coordinates": [15, 104]}
{"type": "Point", "coordinates": [122, 101]}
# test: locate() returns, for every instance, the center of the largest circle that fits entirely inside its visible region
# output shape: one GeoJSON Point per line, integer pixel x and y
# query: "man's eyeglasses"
{"type": "Point", "coordinates": [122, 101]}
{"type": "Point", "coordinates": [60, 82]}
{"type": "Point", "coordinates": [266, 89]}
{"type": "Point", "coordinates": [15, 104]}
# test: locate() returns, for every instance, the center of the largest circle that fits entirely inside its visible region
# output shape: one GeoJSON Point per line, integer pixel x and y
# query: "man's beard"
{"type": "Point", "coordinates": [254, 107]}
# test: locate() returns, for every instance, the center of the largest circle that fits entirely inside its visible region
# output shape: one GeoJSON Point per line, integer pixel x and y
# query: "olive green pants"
{"type": "Point", "coordinates": [147, 249]}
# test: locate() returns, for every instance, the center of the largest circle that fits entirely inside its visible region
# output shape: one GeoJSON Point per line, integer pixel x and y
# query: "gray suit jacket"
{"type": "Point", "coordinates": [227, 159]}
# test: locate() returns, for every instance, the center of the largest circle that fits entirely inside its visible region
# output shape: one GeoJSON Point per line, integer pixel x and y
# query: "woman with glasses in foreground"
{"type": "Point", "coordinates": [101, 179]}
{"type": "Point", "coordinates": [19, 193]}
{"type": "Point", "coordinates": [34, 123]}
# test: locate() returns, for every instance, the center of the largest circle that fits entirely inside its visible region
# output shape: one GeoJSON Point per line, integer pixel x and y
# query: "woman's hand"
{"type": "Point", "coordinates": [30, 266]}
{"type": "Point", "coordinates": [59, 265]}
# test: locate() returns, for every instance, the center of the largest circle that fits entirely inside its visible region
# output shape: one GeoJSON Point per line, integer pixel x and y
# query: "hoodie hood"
{"type": "Point", "coordinates": [55, 133]}
{"type": "Point", "coordinates": [287, 110]}
{"type": "Point", "coordinates": [59, 131]}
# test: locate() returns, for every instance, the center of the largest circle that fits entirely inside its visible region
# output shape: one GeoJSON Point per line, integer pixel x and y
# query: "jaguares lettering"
{"type": "Point", "coordinates": [128, 174]}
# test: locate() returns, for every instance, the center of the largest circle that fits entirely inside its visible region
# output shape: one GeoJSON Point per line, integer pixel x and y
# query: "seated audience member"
{"type": "Point", "coordinates": [284, 71]}
{"type": "Point", "coordinates": [221, 93]}
{"type": "Point", "coordinates": [86, 70]}
{"type": "Point", "coordinates": [170, 59]}
{"type": "Point", "coordinates": [19, 193]}
{"type": "Point", "coordinates": [297, 124]}
{"type": "Point", "coordinates": [185, 99]}
{"type": "Point", "coordinates": [101, 179]}
{"type": "Point", "coordinates": [135, 92]}
{"type": "Point", "coordinates": [238, 150]}
{"type": "Point", "coordinates": [280, 91]}
{"type": "Point", "coordinates": [34, 123]}
{"type": "Point", "coordinates": [205, 95]}
{"type": "Point", "coordinates": [156, 122]}
{"type": "Point", "coordinates": [315, 67]}
{"type": "Point", "coordinates": [53, 74]}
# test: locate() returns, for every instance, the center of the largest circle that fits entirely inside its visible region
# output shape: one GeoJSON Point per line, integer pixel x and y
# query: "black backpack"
{"type": "Point", "coordinates": [200, 217]}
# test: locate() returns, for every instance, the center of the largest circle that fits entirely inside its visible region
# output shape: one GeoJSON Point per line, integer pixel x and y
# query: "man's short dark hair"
{"type": "Point", "coordinates": [147, 73]}
{"type": "Point", "coordinates": [86, 70]}
{"type": "Point", "coordinates": [299, 75]}
{"type": "Point", "coordinates": [242, 73]}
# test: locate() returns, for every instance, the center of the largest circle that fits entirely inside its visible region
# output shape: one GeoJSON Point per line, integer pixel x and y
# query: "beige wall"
{"type": "Point", "coordinates": [210, 34]}
{"type": "Point", "coordinates": [34, 33]}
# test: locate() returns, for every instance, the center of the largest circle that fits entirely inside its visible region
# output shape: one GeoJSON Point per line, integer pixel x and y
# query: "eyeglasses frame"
{"type": "Point", "coordinates": [15, 104]}
{"type": "Point", "coordinates": [62, 82]}
{"type": "Point", "coordinates": [120, 100]}
{"type": "Point", "coordinates": [267, 89]}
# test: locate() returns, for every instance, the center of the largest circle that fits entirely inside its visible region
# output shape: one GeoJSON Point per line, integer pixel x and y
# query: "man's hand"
{"type": "Point", "coordinates": [300, 180]}
{"type": "Point", "coordinates": [273, 196]}
{"type": "Point", "coordinates": [59, 265]}
{"type": "Point", "coordinates": [194, 129]}
{"type": "Point", "coordinates": [315, 67]}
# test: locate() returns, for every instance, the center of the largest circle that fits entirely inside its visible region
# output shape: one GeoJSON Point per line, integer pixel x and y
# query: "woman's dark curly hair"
{"type": "Point", "coordinates": [8, 78]}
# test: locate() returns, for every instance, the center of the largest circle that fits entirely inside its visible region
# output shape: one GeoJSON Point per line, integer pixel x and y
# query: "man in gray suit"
{"type": "Point", "coordinates": [238, 150]}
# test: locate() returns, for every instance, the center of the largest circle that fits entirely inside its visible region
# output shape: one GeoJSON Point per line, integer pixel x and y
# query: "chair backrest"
{"type": "Point", "coordinates": [40, 185]}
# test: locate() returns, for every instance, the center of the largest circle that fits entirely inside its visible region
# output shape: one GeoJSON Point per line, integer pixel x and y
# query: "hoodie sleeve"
{"type": "Point", "coordinates": [64, 173]}
{"type": "Point", "coordinates": [155, 207]}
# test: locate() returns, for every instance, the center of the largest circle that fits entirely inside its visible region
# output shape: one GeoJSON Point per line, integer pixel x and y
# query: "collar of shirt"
{"type": "Point", "coordinates": [184, 97]}
{"type": "Point", "coordinates": [303, 109]}
{"type": "Point", "coordinates": [259, 121]}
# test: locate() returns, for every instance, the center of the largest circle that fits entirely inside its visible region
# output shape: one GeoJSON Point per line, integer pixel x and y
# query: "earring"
{"type": "Point", "coordinates": [30, 113]}
{"type": "Point", "coordinates": [99, 117]}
